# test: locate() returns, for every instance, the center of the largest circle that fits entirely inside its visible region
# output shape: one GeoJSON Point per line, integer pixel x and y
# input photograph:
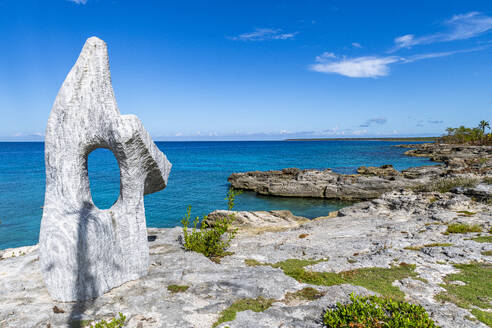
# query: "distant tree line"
{"type": "Point", "coordinates": [470, 136]}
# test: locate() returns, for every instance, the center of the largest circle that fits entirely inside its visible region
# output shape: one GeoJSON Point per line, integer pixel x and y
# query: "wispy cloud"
{"type": "Point", "coordinates": [356, 45]}
{"type": "Point", "coordinates": [264, 34]}
{"type": "Point", "coordinates": [435, 121]}
{"type": "Point", "coordinates": [373, 66]}
{"type": "Point", "coordinates": [374, 121]}
{"type": "Point", "coordinates": [459, 27]}
{"type": "Point", "coordinates": [358, 67]}
{"type": "Point", "coordinates": [79, 2]}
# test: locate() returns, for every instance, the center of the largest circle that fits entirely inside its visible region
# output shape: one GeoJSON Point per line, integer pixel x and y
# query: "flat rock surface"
{"type": "Point", "coordinates": [368, 234]}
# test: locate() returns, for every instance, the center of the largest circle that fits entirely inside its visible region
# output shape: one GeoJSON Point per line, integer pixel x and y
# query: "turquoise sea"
{"type": "Point", "coordinates": [198, 178]}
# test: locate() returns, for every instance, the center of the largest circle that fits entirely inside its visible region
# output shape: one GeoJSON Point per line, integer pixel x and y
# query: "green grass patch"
{"type": "Point", "coordinates": [466, 213]}
{"type": "Point", "coordinates": [487, 180]}
{"type": "Point", "coordinates": [487, 253]}
{"type": "Point", "coordinates": [177, 288]}
{"type": "Point", "coordinates": [485, 317]}
{"type": "Point", "coordinates": [259, 304]}
{"type": "Point", "coordinates": [438, 245]}
{"type": "Point", "coordinates": [377, 312]}
{"type": "Point", "coordinates": [483, 239]}
{"type": "Point", "coordinates": [413, 248]}
{"type": "Point", "coordinates": [463, 228]}
{"type": "Point", "coordinates": [376, 279]}
{"type": "Point", "coordinates": [419, 247]}
{"type": "Point", "coordinates": [308, 293]}
{"type": "Point", "coordinates": [477, 290]}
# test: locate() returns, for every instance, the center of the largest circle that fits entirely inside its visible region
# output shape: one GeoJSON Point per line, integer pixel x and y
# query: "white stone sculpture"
{"type": "Point", "coordinates": [86, 251]}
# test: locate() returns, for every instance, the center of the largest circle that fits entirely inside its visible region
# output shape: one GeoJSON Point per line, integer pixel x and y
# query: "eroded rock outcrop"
{"type": "Point", "coordinates": [293, 182]}
{"type": "Point", "coordinates": [370, 182]}
{"type": "Point", "coordinates": [85, 251]}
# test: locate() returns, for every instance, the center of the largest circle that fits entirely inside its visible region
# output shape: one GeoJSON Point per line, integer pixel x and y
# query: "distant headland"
{"type": "Point", "coordinates": [402, 139]}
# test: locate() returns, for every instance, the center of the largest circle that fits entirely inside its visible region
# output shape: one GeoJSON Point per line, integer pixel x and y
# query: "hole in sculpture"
{"type": "Point", "coordinates": [104, 177]}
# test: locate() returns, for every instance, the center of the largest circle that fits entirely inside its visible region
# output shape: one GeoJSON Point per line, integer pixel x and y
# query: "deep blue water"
{"type": "Point", "coordinates": [198, 178]}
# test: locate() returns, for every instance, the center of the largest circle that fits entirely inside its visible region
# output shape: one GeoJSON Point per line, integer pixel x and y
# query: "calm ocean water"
{"type": "Point", "coordinates": [198, 178]}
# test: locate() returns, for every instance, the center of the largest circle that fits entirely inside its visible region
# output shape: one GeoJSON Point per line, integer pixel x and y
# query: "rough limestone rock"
{"type": "Point", "coordinates": [85, 251]}
{"type": "Point", "coordinates": [258, 221]}
{"type": "Point", "coordinates": [376, 233]}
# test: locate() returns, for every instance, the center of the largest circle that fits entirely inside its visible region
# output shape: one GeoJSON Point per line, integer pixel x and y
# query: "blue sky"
{"type": "Point", "coordinates": [249, 70]}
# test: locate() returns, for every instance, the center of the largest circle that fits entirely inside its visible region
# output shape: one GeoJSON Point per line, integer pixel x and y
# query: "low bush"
{"type": "Point", "coordinates": [210, 241]}
{"type": "Point", "coordinates": [377, 312]}
{"type": "Point", "coordinates": [114, 323]}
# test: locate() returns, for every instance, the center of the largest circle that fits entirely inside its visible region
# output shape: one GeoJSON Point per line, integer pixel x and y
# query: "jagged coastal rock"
{"type": "Point", "coordinates": [85, 251]}
{"type": "Point", "coordinates": [369, 182]}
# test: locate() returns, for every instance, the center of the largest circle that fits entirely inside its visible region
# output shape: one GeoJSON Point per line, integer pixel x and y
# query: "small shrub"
{"type": "Point", "coordinates": [487, 180]}
{"type": "Point", "coordinates": [177, 288]}
{"type": "Point", "coordinates": [210, 241]}
{"type": "Point", "coordinates": [377, 312]}
{"type": "Point", "coordinates": [463, 228]}
{"type": "Point", "coordinates": [114, 323]}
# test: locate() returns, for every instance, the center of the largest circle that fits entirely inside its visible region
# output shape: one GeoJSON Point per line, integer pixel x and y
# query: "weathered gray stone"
{"type": "Point", "coordinates": [86, 251]}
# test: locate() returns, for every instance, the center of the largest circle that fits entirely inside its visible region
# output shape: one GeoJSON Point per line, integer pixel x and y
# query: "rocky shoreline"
{"type": "Point", "coordinates": [370, 182]}
{"type": "Point", "coordinates": [402, 231]}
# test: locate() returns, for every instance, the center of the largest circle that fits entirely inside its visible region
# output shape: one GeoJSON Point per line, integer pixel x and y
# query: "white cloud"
{"type": "Point", "coordinates": [79, 2]}
{"type": "Point", "coordinates": [459, 27]}
{"type": "Point", "coordinates": [356, 67]}
{"type": "Point", "coordinates": [356, 45]}
{"type": "Point", "coordinates": [263, 34]}
{"type": "Point", "coordinates": [373, 66]}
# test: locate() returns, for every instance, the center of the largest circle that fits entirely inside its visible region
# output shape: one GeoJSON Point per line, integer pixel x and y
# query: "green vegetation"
{"type": "Point", "coordinates": [308, 293]}
{"type": "Point", "coordinates": [114, 323]}
{"type": "Point", "coordinates": [259, 304]}
{"type": "Point", "coordinates": [377, 279]}
{"type": "Point", "coordinates": [471, 136]}
{"type": "Point", "coordinates": [177, 288]}
{"type": "Point", "coordinates": [483, 239]}
{"type": "Point", "coordinates": [438, 245]}
{"type": "Point", "coordinates": [466, 213]}
{"type": "Point", "coordinates": [446, 184]}
{"type": "Point", "coordinates": [487, 253]}
{"type": "Point", "coordinates": [210, 241]}
{"type": "Point", "coordinates": [419, 247]}
{"type": "Point", "coordinates": [377, 312]}
{"type": "Point", "coordinates": [485, 317]}
{"type": "Point", "coordinates": [463, 228]}
{"type": "Point", "coordinates": [476, 292]}
{"type": "Point", "coordinates": [487, 180]}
